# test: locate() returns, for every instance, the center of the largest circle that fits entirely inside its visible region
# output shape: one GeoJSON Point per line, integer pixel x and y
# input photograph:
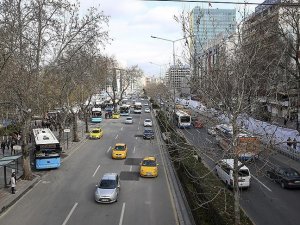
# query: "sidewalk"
{"type": "Point", "coordinates": [23, 186]}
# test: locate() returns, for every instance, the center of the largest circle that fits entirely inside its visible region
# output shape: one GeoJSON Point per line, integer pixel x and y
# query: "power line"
{"type": "Point", "coordinates": [229, 2]}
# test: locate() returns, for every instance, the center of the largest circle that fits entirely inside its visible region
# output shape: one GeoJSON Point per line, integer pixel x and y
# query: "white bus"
{"type": "Point", "coordinates": [137, 107]}
{"type": "Point", "coordinates": [46, 149]}
{"type": "Point", "coordinates": [183, 119]}
{"type": "Point", "coordinates": [224, 170]}
{"type": "Point", "coordinates": [96, 114]}
{"type": "Point", "coordinates": [125, 110]}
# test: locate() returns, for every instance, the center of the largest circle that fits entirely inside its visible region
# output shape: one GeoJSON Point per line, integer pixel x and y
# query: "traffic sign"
{"type": "Point", "coordinates": [67, 130]}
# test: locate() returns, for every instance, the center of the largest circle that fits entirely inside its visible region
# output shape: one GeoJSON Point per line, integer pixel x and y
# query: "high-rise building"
{"type": "Point", "coordinates": [209, 24]}
{"type": "Point", "coordinates": [178, 78]}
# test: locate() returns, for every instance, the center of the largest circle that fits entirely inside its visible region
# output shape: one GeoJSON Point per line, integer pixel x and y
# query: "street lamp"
{"type": "Point", "coordinates": [173, 43]}
{"type": "Point", "coordinates": [160, 70]}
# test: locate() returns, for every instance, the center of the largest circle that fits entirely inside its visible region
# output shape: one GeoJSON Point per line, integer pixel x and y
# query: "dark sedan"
{"type": "Point", "coordinates": [148, 134]}
{"type": "Point", "coordinates": [286, 177]}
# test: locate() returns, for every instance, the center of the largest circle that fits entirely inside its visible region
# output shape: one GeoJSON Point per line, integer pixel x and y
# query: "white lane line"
{"type": "Point", "coordinates": [135, 138]}
{"type": "Point", "coordinates": [122, 214]}
{"type": "Point", "coordinates": [116, 136]}
{"type": "Point", "coordinates": [70, 213]}
{"type": "Point", "coordinates": [261, 183]}
{"type": "Point", "coordinates": [121, 128]}
{"type": "Point", "coordinates": [108, 149]}
{"type": "Point", "coordinates": [208, 140]}
{"type": "Point", "coordinates": [130, 168]}
{"type": "Point", "coordinates": [96, 170]}
{"type": "Point", "coordinates": [138, 127]}
{"type": "Point", "coordinates": [133, 150]}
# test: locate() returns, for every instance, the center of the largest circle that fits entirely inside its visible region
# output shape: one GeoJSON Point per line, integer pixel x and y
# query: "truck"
{"type": "Point", "coordinates": [248, 145]}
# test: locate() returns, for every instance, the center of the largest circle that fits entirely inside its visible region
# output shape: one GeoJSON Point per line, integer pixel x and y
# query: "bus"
{"type": "Point", "coordinates": [96, 114]}
{"type": "Point", "coordinates": [182, 119]}
{"type": "Point", "coordinates": [137, 107]}
{"type": "Point", "coordinates": [125, 110]}
{"type": "Point", "coordinates": [46, 149]}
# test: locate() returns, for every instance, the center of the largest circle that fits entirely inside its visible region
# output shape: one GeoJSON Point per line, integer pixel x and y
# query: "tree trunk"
{"type": "Point", "coordinates": [75, 128]}
{"type": "Point", "coordinates": [86, 122]}
{"type": "Point", "coordinates": [237, 217]}
{"type": "Point", "coordinates": [25, 149]}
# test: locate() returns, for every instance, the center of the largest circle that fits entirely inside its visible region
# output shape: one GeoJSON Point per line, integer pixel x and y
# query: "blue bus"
{"type": "Point", "coordinates": [125, 110]}
{"type": "Point", "coordinates": [96, 115]}
{"type": "Point", "coordinates": [46, 149]}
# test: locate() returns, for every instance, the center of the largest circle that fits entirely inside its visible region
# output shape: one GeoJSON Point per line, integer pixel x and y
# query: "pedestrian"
{"type": "Point", "coordinates": [3, 147]}
{"type": "Point", "coordinates": [12, 144]}
{"type": "Point", "coordinates": [13, 183]}
{"type": "Point", "coordinates": [289, 142]}
{"type": "Point", "coordinates": [295, 143]}
{"type": "Point", "coordinates": [8, 143]}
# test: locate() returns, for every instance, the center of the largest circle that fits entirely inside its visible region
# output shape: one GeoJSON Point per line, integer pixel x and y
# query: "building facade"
{"type": "Point", "coordinates": [209, 24]}
{"type": "Point", "coordinates": [178, 79]}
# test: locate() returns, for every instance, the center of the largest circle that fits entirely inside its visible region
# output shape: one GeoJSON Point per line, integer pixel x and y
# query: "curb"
{"type": "Point", "coordinates": [19, 196]}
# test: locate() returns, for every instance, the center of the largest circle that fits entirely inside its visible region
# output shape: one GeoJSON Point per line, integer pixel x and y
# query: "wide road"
{"type": "Point", "coordinates": [266, 203]}
{"type": "Point", "coordinates": [66, 195]}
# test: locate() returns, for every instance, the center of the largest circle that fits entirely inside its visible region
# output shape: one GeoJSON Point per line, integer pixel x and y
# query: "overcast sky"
{"type": "Point", "coordinates": [132, 22]}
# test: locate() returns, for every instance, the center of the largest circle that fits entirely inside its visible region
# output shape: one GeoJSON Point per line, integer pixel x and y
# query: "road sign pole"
{"type": "Point", "coordinates": [68, 140]}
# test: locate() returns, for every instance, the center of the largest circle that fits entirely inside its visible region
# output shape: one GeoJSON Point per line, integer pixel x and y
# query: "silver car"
{"type": "Point", "coordinates": [129, 120]}
{"type": "Point", "coordinates": [108, 189]}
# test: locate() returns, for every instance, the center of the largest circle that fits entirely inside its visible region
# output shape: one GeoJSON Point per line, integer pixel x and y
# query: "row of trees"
{"type": "Point", "coordinates": [51, 56]}
{"type": "Point", "coordinates": [256, 63]}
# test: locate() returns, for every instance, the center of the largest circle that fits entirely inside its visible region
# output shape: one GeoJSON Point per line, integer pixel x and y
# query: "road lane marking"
{"type": "Point", "coordinates": [122, 214]}
{"type": "Point", "coordinates": [135, 138]}
{"type": "Point", "coordinates": [96, 170]}
{"type": "Point", "coordinates": [133, 150]}
{"type": "Point", "coordinates": [121, 128]}
{"type": "Point", "coordinates": [70, 213]}
{"type": "Point", "coordinates": [261, 183]}
{"type": "Point", "coordinates": [108, 149]}
{"type": "Point", "coordinates": [116, 136]}
{"type": "Point", "coordinates": [130, 168]}
{"type": "Point", "coordinates": [138, 127]}
{"type": "Point", "coordinates": [208, 140]}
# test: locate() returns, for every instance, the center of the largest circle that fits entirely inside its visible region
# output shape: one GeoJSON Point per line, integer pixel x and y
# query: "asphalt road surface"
{"type": "Point", "coordinates": [266, 203]}
{"type": "Point", "coordinates": [66, 195]}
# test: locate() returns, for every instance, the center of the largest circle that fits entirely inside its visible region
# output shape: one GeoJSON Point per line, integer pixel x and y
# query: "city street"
{"type": "Point", "coordinates": [265, 202]}
{"type": "Point", "coordinates": [66, 195]}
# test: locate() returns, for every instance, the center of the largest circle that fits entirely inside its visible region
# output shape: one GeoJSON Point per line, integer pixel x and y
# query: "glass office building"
{"type": "Point", "coordinates": [210, 24]}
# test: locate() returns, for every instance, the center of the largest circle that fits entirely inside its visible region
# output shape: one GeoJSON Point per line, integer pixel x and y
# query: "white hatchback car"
{"type": "Point", "coordinates": [129, 120]}
{"type": "Point", "coordinates": [147, 110]}
{"type": "Point", "coordinates": [147, 123]}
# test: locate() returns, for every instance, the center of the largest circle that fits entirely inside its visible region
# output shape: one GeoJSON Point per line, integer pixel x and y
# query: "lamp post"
{"type": "Point", "coordinates": [173, 43]}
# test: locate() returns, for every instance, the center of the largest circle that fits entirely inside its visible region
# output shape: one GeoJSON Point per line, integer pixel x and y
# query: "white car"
{"type": "Point", "coordinates": [147, 123]}
{"type": "Point", "coordinates": [212, 131]}
{"type": "Point", "coordinates": [129, 120]}
{"type": "Point", "coordinates": [146, 104]}
{"type": "Point", "coordinates": [147, 110]}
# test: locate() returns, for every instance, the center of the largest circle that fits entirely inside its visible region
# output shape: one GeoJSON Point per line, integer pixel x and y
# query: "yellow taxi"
{"type": "Point", "coordinates": [149, 167]}
{"type": "Point", "coordinates": [116, 115]}
{"type": "Point", "coordinates": [119, 151]}
{"type": "Point", "coordinates": [96, 133]}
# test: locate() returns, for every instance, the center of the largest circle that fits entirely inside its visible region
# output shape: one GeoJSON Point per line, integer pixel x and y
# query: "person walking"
{"type": "Point", "coordinates": [13, 183]}
{"type": "Point", "coordinates": [295, 143]}
{"type": "Point", "coordinates": [3, 147]}
{"type": "Point", "coordinates": [289, 142]}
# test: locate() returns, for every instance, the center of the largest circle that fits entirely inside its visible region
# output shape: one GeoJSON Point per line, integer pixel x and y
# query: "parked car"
{"type": "Point", "coordinates": [149, 167]}
{"type": "Point", "coordinates": [147, 123]}
{"type": "Point", "coordinates": [148, 134]}
{"type": "Point", "coordinates": [147, 110]}
{"type": "Point", "coordinates": [287, 177]}
{"type": "Point", "coordinates": [212, 131]}
{"type": "Point", "coordinates": [108, 189]}
{"type": "Point", "coordinates": [129, 120]}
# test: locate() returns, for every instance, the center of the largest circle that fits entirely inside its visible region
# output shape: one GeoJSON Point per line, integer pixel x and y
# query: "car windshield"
{"type": "Point", "coordinates": [148, 131]}
{"type": "Point", "coordinates": [96, 131]}
{"type": "Point", "coordinates": [120, 147]}
{"type": "Point", "coordinates": [147, 120]}
{"type": "Point", "coordinates": [107, 184]}
{"type": "Point", "coordinates": [128, 118]}
{"type": "Point", "coordinates": [243, 173]}
{"type": "Point", "coordinates": [292, 173]}
{"type": "Point", "coordinates": [149, 163]}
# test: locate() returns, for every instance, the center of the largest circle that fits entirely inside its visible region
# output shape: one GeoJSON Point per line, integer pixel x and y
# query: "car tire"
{"type": "Point", "coordinates": [283, 185]}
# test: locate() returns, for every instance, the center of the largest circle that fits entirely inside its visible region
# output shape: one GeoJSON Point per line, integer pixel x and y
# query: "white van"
{"type": "Point", "coordinates": [224, 170]}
